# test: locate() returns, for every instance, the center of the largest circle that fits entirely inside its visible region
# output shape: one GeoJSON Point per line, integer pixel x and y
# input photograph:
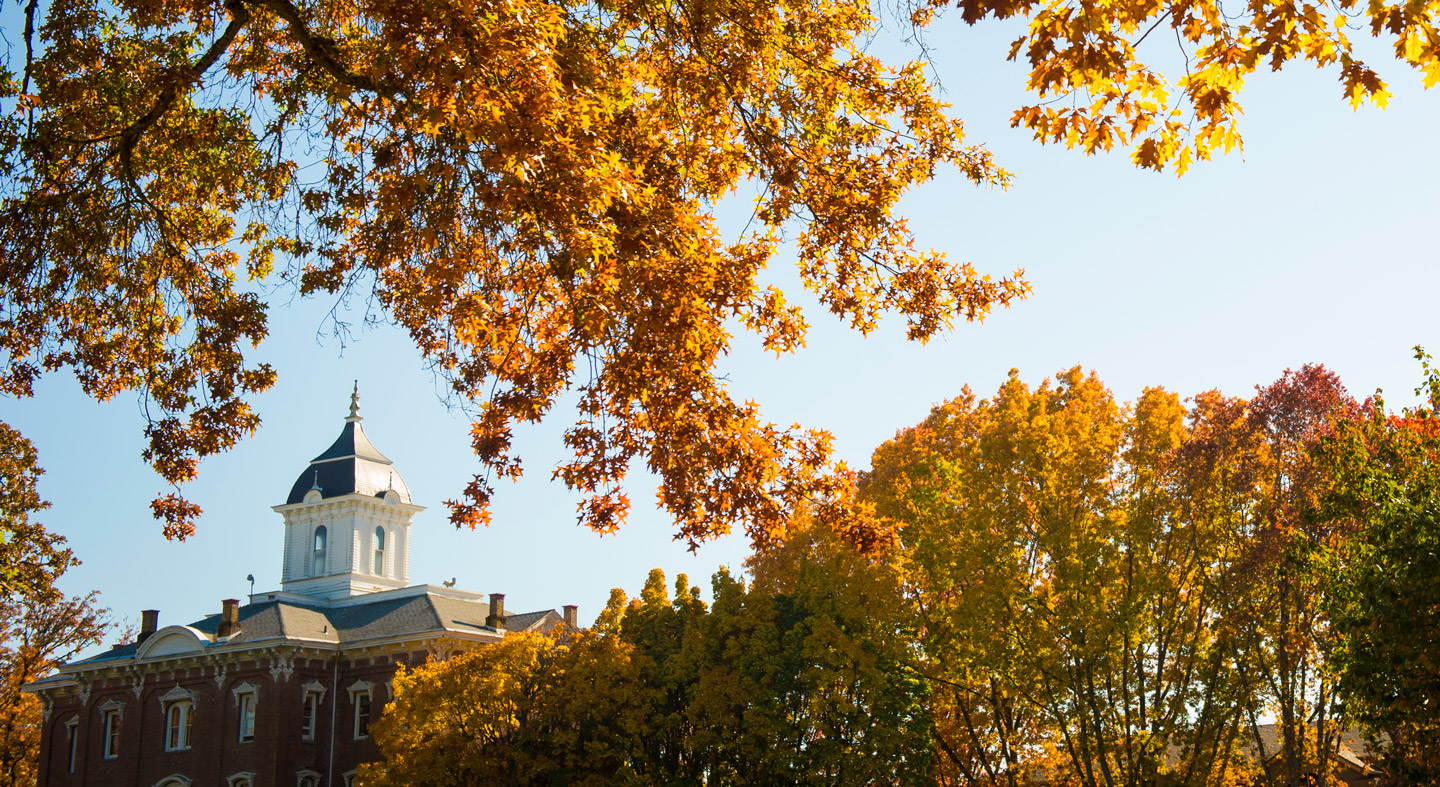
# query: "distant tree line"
{"type": "Point", "coordinates": [1075, 591]}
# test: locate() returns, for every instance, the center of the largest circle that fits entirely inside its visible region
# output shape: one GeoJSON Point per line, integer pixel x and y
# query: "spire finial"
{"type": "Point", "coordinates": [355, 403]}
{"type": "Point", "coordinates": [316, 485]}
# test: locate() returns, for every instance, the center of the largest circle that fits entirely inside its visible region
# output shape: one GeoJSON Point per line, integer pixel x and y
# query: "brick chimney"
{"type": "Point", "coordinates": [496, 619]}
{"type": "Point", "coordinates": [570, 616]}
{"type": "Point", "coordinates": [149, 622]}
{"type": "Point", "coordinates": [229, 617]}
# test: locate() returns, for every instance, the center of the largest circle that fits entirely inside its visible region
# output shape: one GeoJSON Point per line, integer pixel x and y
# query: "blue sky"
{"type": "Point", "coordinates": [1317, 245]}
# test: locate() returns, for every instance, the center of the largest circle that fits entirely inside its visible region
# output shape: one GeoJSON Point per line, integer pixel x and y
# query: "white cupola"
{"type": "Point", "coordinates": [347, 520]}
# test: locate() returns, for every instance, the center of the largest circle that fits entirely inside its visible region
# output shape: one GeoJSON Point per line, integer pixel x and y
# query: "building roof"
{"type": "Point", "coordinates": [421, 612]}
{"type": "Point", "coordinates": [351, 465]}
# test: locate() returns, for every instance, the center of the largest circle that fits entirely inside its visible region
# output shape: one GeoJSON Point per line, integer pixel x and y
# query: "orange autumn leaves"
{"type": "Point", "coordinates": [527, 188]}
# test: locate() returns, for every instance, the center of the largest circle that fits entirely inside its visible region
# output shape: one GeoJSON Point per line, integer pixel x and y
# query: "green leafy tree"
{"type": "Point", "coordinates": [810, 673]}
{"type": "Point", "coordinates": [806, 677]}
{"type": "Point", "coordinates": [1385, 609]}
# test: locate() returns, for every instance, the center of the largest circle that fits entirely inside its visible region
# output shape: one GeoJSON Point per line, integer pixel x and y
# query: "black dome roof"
{"type": "Point", "coordinates": [349, 466]}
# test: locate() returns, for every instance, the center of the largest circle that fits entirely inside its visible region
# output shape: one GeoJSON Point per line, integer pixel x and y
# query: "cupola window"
{"type": "Point", "coordinates": [379, 551]}
{"type": "Point", "coordinates": [317, 557]}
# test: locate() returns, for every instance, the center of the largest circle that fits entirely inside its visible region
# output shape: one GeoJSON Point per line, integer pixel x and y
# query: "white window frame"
{"type": "Point", "coordinates": [319, 550]}
{"type": "Point", "coordinates": [184, 700]}
{"type": "Point", "coordinates": [359, 689]}
{"type": "Point", "coordinates": [307, 778]}
{"type": "Point", "coordinates": [243, 779]}
{"type": "Point", "coordinates": [380, 538]}
{"type": "Point", "coordinates": [179, 723]}
{"type": "Point", "coordinates": [110, 714]}
{"type": "Point", "coordinates": [247, 702]}
{"type": "Point", "coordinates": [312, 691]}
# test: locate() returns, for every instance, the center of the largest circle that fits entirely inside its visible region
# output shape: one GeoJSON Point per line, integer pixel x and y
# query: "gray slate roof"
{"type": "Point", "coordinates": [350, 465]}
{"type": "Point", "coordinates": [386, 617]}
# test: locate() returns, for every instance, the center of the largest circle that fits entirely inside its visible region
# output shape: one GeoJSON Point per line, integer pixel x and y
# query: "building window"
{"type": "Point", "coordinates": [379, 551]}
{"type": "Point", "coordinates": [362, 715]}
{"type": "Point", "coordinates": [179, 717]}
{"type": "Point", "coordinates": [246, 779]}
{"type": "Point", "coordinates": [247, 717]}
{"type": "Point", "coordinates": [317, 557]}
{"type": "Point", "coordinates": [361, 693]}
{"type": "Point", "coordinates": [307, 779]}
{"type": "Point", "coordinates": [313, 694]}
{"type": "Point", "coordinates": [349, 779]}
{"type": "Point", "coordinates": [111, 721]}
{"type": "Point", "coordinates": [72, 727]}
{"type": "Point", "coordinates": [310, 716]}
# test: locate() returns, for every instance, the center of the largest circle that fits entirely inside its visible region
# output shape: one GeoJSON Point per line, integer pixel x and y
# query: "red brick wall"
{"type": "Point", "coordinates": [276, 754]}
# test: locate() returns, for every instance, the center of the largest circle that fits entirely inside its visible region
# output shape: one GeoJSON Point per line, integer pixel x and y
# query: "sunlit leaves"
{"type": "Point", "coordinates": [1097, 88]}
{"type": "Point", "coordinates": [526, 188]}
{"type": "Point", "coordinates": [1106, 590]}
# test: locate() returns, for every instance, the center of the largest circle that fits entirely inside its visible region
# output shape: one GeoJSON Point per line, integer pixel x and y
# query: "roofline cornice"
{"type": "Point", "coordinates": [379, 502]}
{"type": "Point", "coordinates": [73, 674]}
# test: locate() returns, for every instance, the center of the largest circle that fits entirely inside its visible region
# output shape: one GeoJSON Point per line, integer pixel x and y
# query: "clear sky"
{"type": "Point", "coordinates": [1317, 245]}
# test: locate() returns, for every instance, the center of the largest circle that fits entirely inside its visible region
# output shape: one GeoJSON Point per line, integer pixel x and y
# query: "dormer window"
{"type": "Point", "coordinates": [317, 557]}
{"type": "Point", "coordinates": [379, 551]}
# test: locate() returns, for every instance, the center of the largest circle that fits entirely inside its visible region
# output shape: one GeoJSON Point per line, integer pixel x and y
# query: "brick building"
{"type": "Point", "coordinates": [279, 691]}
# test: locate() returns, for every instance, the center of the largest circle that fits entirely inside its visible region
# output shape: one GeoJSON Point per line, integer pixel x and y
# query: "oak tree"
{"type": "Point", "coordinates": [527, 188]}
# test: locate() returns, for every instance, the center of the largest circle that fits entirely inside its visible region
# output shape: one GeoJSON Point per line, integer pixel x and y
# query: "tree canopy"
{"type": "Point", "coordinates": [527, 188]}
{"type": "Point", "coordinates": [805, 677]}
{"type": "Point", "coordinates": [1115, 593]}
{"type": "Point", "coordinates": [1080, 591]}
{"type": "Point", "coordinates": [1385, 606]}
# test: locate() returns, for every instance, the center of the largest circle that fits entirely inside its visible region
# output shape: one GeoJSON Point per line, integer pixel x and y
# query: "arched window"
{"type": "Point", "coordinates": [379, 551]}
{"type": "Point", "coordinates": [179, 719]}
{"type": "Point", "coordinates": [317, 558]}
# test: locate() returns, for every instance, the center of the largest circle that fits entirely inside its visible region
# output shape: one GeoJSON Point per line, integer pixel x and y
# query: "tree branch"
{"type": "Point", "coordinates": [239, 17]}
{"type": "Point", "coordinates": [322, 49]}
